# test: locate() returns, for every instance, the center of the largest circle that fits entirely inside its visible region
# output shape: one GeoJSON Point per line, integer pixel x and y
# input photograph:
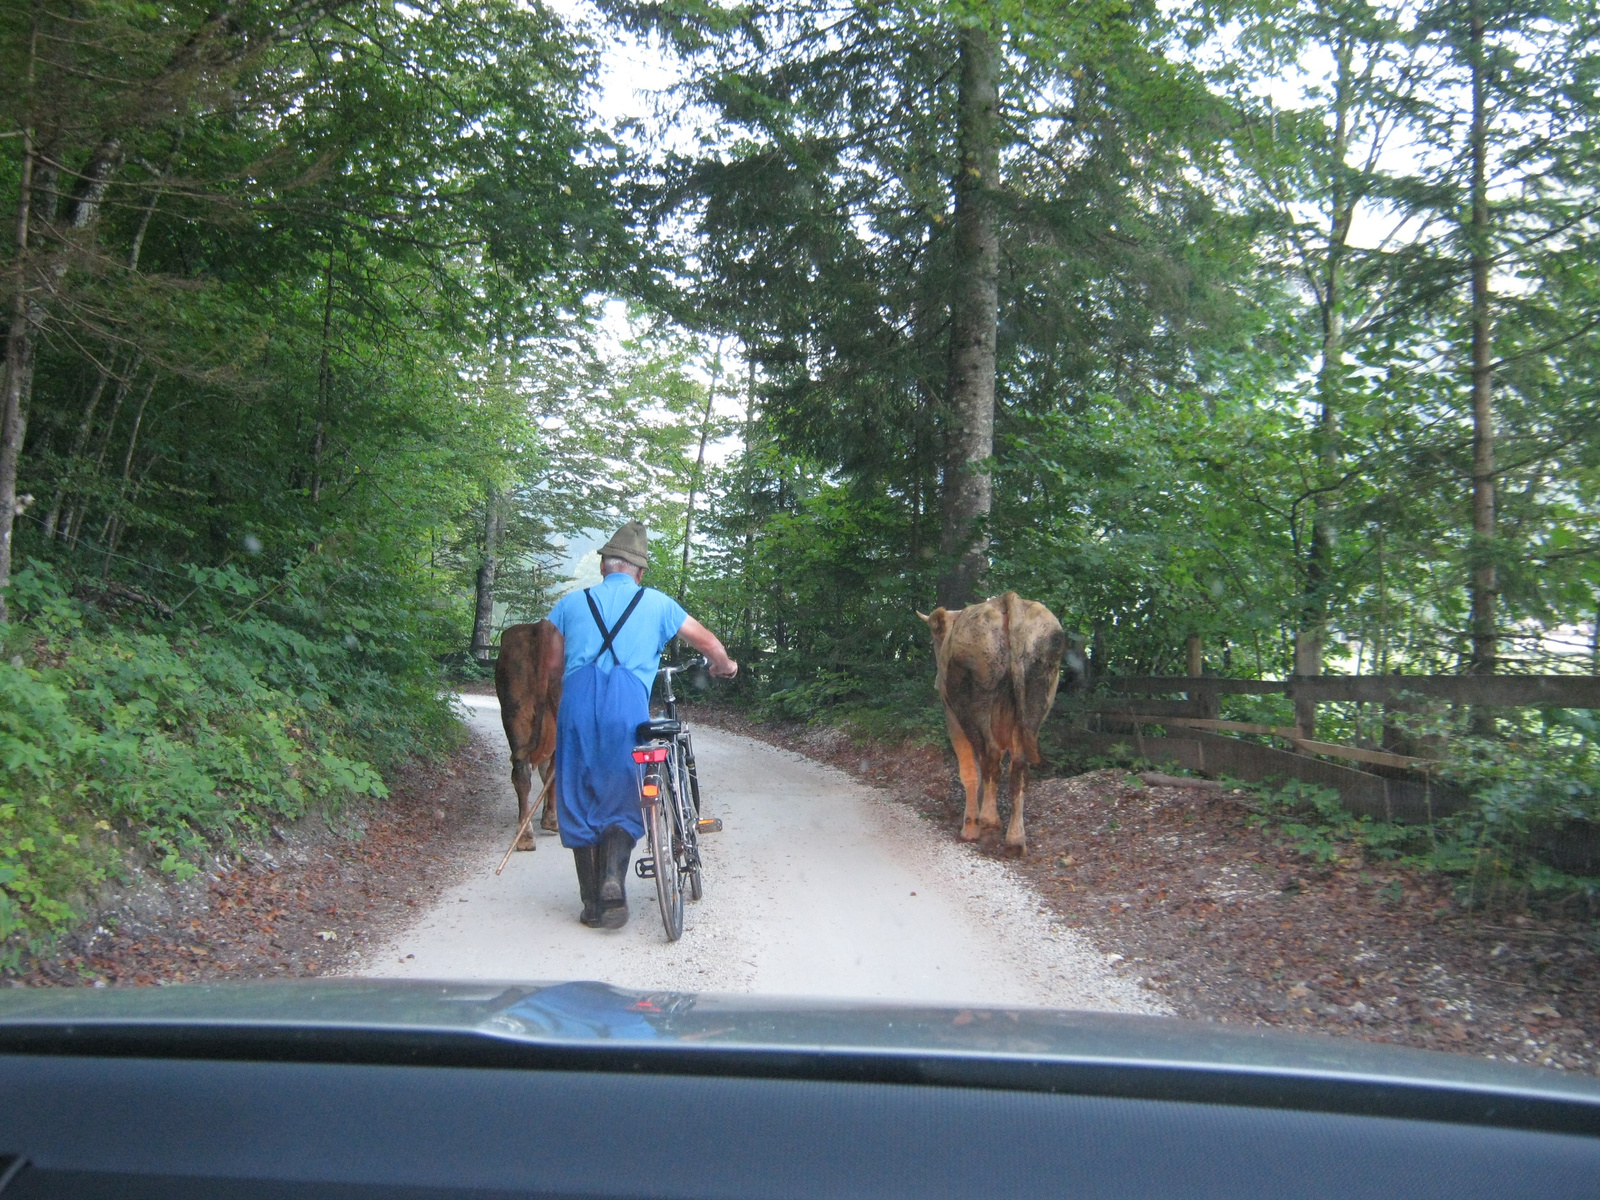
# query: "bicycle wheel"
{"type": "Point", "coordinates": [689, 829]}
{"type": "Point", "coordinates": [659, 820]}
{"type": "Point", "coordinates": [694, 775]}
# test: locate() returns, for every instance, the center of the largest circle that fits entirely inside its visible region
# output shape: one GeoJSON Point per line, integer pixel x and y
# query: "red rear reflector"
{"type": "Point", "coordinates": [651, 754]}
{"type": "Point", "coordinates": [650, 789]}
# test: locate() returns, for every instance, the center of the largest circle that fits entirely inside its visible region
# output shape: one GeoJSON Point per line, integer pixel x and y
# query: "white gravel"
{"type": "Point", "coordinates": [817, 886]}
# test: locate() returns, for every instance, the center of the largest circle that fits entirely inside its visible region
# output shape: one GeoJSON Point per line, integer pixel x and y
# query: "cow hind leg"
{"type": "Point", "coordinates": [989, 812]}
{"type": "Point", "coordinates": [967, 762]}
{"type": "Point", "coordinates": [522, 780]}
{"type": "Point", "coordinates": [1016, 837]}
{"type": "Point", "coordinates": [548, 821]}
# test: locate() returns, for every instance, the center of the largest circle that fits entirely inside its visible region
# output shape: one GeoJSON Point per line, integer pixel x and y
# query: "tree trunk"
{"type": "Point", "coordinates": [494, 523]}
{"type": "Point", "coordinates": [80, 442]}
{"type": "Point", "coordinates": [72, 524]}
{"type": "Point", "coordinates": [1310, 639]}
{"type": "Point", "coordinates": [324, 367]}
{"type": "Point", "coordinates": [1484, 586]}
{"type": "Point", "coordinates": [974, 314]}
{"type": "Point", "coordinates": [694, 480]}
{"type": "Point", "coordinates": [16, 374]}
{"type": "Point", "coordinates": [748, 617]}
{"type": "Point", "coordinates": [114, 517]}
{"type": "Point", "coordinates": [80, 439]}
{"type": "Point", "coordinates": [74, 517]}
{"type": "Point", "coordinates": [27, 317]}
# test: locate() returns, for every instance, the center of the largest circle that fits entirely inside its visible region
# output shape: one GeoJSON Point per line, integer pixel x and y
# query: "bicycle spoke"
{"type": "Point", "coordinates": [669, 889]}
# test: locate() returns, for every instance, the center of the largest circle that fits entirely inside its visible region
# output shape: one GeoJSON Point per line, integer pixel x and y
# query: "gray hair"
{"type": "Point", "coordinates": [610, 564]}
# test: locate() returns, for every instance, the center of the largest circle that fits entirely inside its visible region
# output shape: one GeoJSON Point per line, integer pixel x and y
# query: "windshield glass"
{"type": "Point", "coordinates": [983, 505]}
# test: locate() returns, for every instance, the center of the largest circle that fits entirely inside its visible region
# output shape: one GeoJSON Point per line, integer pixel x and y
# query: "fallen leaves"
{"type": "Point", "coordinates": [279, 913]}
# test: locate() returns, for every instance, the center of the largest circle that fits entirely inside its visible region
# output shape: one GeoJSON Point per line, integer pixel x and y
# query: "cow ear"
{"type": "Point", "coordinates": [938, 622]}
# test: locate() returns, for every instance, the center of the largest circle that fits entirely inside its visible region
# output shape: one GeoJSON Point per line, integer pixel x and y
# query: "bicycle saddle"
{"type": "Point", "coordinates": [658, 730]}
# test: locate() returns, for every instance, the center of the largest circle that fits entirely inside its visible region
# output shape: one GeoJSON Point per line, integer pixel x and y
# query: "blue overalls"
{"type": "Point", "coordinates": [595, 725]}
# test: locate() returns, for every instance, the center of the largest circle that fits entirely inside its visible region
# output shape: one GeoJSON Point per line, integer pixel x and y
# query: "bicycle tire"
{"type": "Point", "coordinates": [688, 825]}
{"type": "Point", "coordinates": [669, 889]}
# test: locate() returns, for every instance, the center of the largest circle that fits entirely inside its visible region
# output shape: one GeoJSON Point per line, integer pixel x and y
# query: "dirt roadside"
{"type": "Point", "coordinates": [1221, 920]}
{"type": "Point", "coordinates": [1230, 923]}
{"type": "Point", "coordinates": [308, 901]}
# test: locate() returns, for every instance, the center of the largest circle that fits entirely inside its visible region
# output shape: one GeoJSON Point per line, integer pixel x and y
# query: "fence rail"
{"type": "Point", "coordinates": [1397, 783]}
{"type": "Point", "coordinates": [1565, 691]}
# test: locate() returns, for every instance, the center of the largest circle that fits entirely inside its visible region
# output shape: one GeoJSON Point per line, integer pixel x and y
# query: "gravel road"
{"type": "Point", "coordinates": [817, 886]}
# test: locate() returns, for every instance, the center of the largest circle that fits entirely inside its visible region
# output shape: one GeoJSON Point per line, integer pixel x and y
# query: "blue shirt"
{"type": "Point", "coordinates": [653, 624]}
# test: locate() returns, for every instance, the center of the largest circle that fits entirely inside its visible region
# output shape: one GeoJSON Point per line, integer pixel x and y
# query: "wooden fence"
{"type": "Point", "coordinates": [1390, 778]}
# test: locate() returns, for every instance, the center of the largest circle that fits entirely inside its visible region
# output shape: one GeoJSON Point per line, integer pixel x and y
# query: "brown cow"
{"type": "Point", "coordinates": [527, 678]}
{"type": "Point", "coordinates": [999, 663]}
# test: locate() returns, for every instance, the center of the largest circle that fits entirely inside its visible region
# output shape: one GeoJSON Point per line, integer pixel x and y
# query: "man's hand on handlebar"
{"type": "Point", "coordinates": [703, 640]}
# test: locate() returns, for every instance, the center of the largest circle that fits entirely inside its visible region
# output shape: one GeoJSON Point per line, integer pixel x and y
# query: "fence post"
{"type": "Point", "coordinates": [1307, 661]}
{"type": "Point", "coordinates": [1202, 704]}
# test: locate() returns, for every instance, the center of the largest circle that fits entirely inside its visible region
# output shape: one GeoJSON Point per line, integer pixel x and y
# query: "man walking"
{"type": "Point", "coordinates": [612, 638]}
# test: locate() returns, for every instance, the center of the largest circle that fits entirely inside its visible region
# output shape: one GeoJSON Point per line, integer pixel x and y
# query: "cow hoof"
{"type": "Point", "coordinates": [971, 832]}
{"type": "Point", "coordinates": [549, 824]}
{"type": "Point", "coordinates": [1013, 850]}
{"type": "Point", "coordinates": [526, 842]}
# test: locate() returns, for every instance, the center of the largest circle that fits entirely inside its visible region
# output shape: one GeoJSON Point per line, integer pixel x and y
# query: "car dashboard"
{"type": "Point", "coordinates": [584, 1090]}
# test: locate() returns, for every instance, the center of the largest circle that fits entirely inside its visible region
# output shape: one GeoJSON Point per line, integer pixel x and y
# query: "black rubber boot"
{"type": "Point", "coordinates": [587, 859]}
{"type": "Point", "coordinates": [615, 849]}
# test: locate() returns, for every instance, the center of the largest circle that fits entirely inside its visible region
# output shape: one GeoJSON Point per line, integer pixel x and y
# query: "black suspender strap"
{"type": "Point", "coordinates": [605, 634]}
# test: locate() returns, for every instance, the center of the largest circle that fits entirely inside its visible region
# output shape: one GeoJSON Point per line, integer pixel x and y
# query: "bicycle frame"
{"type": "Point", "coordinates": [669, 798]}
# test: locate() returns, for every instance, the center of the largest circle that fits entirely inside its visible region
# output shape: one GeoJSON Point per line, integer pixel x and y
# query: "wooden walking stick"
{"type": "Point", "coordinates": [526, 821]}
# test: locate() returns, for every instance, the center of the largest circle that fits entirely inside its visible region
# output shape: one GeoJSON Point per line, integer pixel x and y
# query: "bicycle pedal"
{"type": "Point", "coordinates": [709, 825]}
{"type": "Point", "coordinates": [645, 868]}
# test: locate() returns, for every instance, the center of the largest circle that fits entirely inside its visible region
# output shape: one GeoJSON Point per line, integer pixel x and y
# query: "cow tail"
{"type": "Point", "coordinates": [1028, 739]}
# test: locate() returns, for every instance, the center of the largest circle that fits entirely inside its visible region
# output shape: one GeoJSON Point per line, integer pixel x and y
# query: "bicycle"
{"type": "Point", "coordinates": [669, 797]}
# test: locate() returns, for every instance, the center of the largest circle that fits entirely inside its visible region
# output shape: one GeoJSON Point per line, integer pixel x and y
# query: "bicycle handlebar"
{"type": "Point", "coordinates": [690, 664]}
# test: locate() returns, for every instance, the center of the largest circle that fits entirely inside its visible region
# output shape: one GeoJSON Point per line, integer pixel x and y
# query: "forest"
{"type": "Point", "coordinates": [331, 326]}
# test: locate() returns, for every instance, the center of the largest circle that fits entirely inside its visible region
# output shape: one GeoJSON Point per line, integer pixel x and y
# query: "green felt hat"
{"type": "Point", "coordinates": [631, 544]}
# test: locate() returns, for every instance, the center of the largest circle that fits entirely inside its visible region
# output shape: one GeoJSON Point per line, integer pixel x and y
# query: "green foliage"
{"type": "Point", "coordinates": [806, 701]}
{"type": "Point", "coordinates": [1521, 790]}
{"type": "Point", "coordinates": [1318, 826]}
{"type": "Point", "coordinates": [1545, 773]}
{"type": "Point", "coordinates": [908, 711]}
{"type": "Point", "coordinates": [176, 739]}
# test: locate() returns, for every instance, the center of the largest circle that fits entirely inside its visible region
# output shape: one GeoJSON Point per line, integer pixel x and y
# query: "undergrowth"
{"type": "Point", "coordinates": [1530, 835]}
{"type": "Point", "coordinates": [885, 707]}
{"type": "Point", "coordinates": [161, 740]}
{"type": "Point", "coordinates": [1490, 850]}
